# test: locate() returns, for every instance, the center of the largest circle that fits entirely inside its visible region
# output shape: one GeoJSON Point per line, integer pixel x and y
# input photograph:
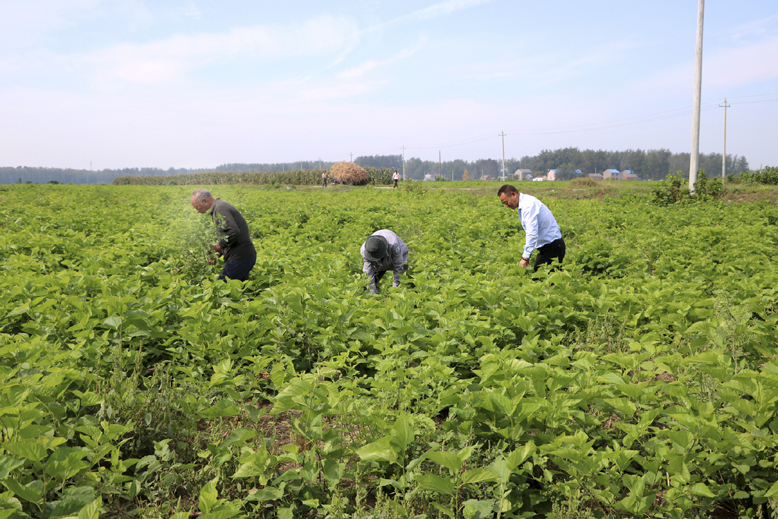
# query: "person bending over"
{"type": "Point", "coordinates": [234, 243]}
{"type": "Point", "coordinates": [540, 227]}
{"type": "Point", "coordinates": [382, 252]}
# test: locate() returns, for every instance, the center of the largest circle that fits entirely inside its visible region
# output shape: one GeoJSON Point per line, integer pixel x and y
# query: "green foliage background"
{"type": "Point", "coordinates": [375, 176]}
{"type": "Point", "coordinates": [639, 380]}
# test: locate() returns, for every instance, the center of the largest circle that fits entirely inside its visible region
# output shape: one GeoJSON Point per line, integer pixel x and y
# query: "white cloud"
{"type": "Point", "coordinates": [754, 28]}
{"type": "Point", "coordinates": [733, 67]}
{"type": "Point", "coordinates": [171, 59]}
{"type": "Point", "coordinates": [433, 11]}
{"type": "Point", "coordinates": [192, 11]}
{"type": "Point", "coordinates": [371, 65]}
{"type": "Point", "coordinates": [744, 65]}
{"type": "Point", "coordinates": [444, 8]}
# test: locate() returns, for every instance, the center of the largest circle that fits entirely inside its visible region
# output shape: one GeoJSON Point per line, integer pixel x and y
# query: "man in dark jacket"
{"type": "Point", "coordinates": [234, 239]}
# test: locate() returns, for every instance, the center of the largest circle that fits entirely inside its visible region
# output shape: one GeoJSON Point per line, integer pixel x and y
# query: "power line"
{"type": "Point", "coordinates": [605, 125]}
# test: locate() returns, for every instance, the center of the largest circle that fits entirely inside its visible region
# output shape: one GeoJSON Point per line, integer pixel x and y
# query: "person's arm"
{"type": "Point", "coordinates": [397, 263]}
{"type": "Point", "coordinates": [369, 270]}
{"type": "Point", "coordinates": [529, 220]}
{"type": "Point", "coordinates": [372, 282]}
{"type": "Point", "coordinates": [227, 229]}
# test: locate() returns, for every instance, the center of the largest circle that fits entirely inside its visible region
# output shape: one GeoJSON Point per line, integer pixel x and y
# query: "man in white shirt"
{"type": "Point", "coordinates": [381, 252]}
{"type": "Point", "coordinates": [540, 227]}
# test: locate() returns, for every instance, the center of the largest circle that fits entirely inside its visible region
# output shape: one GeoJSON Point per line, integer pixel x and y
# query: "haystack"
{"type": "Point", "coordinates": [348, 173]}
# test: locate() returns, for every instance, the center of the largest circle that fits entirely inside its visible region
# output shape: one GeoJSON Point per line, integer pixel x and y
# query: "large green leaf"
{"type": "Point", "coordinates": [8, 464]}
{"type": "Point", "coordinates": [448, 459]}
{"type": "Point", "coordinates": [479, 476]}
{"type": "Point", "coordinates": [434, 483]}
{"type": "Point", "coordinates": [380, 450]}
{"type": "Point", "coordinates": [220, 409]}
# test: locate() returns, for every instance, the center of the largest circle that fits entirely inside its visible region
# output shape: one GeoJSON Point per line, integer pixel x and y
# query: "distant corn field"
{"type": "Point", "coordinates": [376, 176]}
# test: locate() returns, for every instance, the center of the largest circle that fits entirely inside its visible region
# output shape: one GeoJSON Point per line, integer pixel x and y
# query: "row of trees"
{"type": "Point", "coordinates": [572, 162]}
{"type": "Point", "coordinates": [647, 164]}
{"type": "Point", "coordinates": [24, 174]}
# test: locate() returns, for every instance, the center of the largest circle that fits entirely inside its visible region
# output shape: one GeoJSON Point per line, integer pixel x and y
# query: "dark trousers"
{"type": "Point", "coordinates": [238, 269]}
{"type": "Point", "coordinates": [549, 251]}
{"type": "Point", "coordinates": [395, 183]}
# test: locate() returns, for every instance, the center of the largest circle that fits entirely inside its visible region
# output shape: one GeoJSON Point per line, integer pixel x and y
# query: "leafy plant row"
{"type": "Point", "coordinates": [637, 381]}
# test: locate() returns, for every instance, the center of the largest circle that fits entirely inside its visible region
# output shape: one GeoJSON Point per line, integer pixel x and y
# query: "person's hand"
{"type": "Point", "coordinates": [211, 260]}
{"type": "Point", "coordinates": [524, 263]}
{"type": "Point", "coordinates": [216, 248]}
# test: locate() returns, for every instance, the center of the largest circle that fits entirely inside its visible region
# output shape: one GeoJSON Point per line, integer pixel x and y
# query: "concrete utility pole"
{"type": "Point", "coordinates": [724, 153]}
{"type": "Point", "coordinates": [694, 160]}
{"type": "Point", "coordinates": [502, 134]}
{"type": "Point", "coordinates": [403, 162]}
{"type": "Point", "coordinates": [440, 165]}
{"type": "Point", "coordinates": [352, 157]}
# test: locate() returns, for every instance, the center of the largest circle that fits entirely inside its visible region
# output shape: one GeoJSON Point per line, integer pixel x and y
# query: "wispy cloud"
{"type": "Point", "coordinates": [734, 67]}
{"type": "Point", "coordinates": [371, 65]}
{"type": "Point", "coordinates": [443, 8]}
{"type": "Point", "coordinates": [192, 11]}
{"type": "Point", "coordinates": [754, 28]}
{"type": "Point", "coordinates": [437, 10]}
{"type": "Point", "coordinates": [170, 59]}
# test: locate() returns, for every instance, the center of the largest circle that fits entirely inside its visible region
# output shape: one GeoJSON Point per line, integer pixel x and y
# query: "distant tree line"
{"type": "Point", "coordinates": [24, 174]}
{"type": "Point", "coordinates": [569, 163]}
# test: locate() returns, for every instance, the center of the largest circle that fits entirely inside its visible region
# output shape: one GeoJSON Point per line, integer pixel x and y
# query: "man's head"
{"type": "Point", "coordinates": [376, 248]}
{"type": "Point", "coordinates": [202, 200]}
{"type": "Point", "coordinates": [509, 196]}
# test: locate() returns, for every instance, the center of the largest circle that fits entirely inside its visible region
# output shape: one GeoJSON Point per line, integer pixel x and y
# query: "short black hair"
{"type": "Point", "coordinates": [507, 189]}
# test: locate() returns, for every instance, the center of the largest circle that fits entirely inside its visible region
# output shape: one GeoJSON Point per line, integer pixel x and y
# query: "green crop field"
{"type": "Point", "coordinates": [640, 380]}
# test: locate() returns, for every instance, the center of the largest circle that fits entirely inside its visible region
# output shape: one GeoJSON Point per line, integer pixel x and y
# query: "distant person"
{"type": "Point", "coordinates": [395, 177]}
{"type": "Point", "coordinates": [540, 227]}
{"type": "Point", "coordinates": [235, 243]}
{"type": "Point", "coordinates": [324, 179]}
{"type": "Point", "coordinates": [382, 252]}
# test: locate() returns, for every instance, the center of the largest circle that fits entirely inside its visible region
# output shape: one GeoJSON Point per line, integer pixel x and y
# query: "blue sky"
{"type": "Point", "coordinates": [194, 83]}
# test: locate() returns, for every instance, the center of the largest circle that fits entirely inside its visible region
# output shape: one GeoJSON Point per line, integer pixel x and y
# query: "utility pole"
{"type": "Point", "coordinates": [319, 162]}
{"type": "Point", "coordinates": [502, 134]}
{"type": "Point", "coordinates": [694, 160]}
{"type": "Point", "coordinates": [724, 153]}
{"type": "Point", "coordinates": [403, 162]}
{"type": "Point", "coordinates": [440, 165]}
{"type": "Point", "coordinates": [352, 157]}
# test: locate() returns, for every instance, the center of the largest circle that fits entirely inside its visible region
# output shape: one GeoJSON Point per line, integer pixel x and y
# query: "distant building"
{"type": "Point", "coordinates": [628, 175]}
{"type": "Point", "coordinates": [595, 176]}
{"type": "Point", "coordinates": [539, 179]}
{"type": "Point", "coordinates": [523, 174]}
{"type": "Point", "coordinates": [611, 174]}
{"type": "Point", "coordinates": [551, 175]}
